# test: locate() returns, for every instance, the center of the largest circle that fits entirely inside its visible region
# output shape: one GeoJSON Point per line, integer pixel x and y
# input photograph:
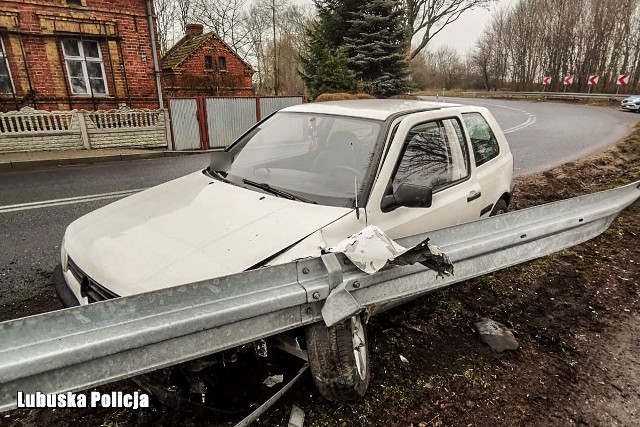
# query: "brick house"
{"type": "Point", "coordinates": [203, 64]}
{"type": "Point", "coordinates": [77, 54]}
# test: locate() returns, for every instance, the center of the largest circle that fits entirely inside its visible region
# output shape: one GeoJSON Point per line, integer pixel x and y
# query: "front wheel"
{"type": "Point", "coordinates": [500, 208]}
{"type": "Point", "coordinates": [339, 359]}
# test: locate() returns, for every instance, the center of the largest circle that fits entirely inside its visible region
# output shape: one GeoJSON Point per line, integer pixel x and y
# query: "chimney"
{"type": "Point", "coordinates": [194, 30]}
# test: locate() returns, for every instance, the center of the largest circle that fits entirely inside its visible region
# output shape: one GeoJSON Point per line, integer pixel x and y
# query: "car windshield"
{"type": "Point", "coordinates": [315, 157]}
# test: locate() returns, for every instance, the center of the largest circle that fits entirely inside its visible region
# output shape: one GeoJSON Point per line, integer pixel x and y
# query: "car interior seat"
{"type": "Point", "coordinates": [340, 151]}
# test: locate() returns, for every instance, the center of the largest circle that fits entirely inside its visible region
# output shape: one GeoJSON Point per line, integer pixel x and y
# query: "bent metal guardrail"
{"type": "Point", "coordinates": [550, 95]}
{"type": "Point", "coordinates": [82, 347]}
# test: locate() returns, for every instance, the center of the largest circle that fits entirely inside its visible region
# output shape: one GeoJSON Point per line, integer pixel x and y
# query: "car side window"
{"type": "Point", "coordinates": [484, 142]}
{"type": "Point", "coordinates": [434, 156]}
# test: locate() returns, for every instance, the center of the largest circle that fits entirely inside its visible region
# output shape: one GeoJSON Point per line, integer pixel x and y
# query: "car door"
{"type": "Point", "coordinates": [489, 165]}
{"type": "Point", "coordinates": [428, 153]}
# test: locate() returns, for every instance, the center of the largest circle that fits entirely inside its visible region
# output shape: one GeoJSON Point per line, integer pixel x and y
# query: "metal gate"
{"type": "Point", "coordinates": [185, 124]}
{"type": "Point", "coordinates": [228, 118]}
{"type": "Point", "coordinates": [270, 105]}
{"type": "Point", "coordinates": [215, 122]}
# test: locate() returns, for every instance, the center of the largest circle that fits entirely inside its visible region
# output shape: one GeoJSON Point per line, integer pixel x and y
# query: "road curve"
{"type": "Point", "coordinates": [543, 135]}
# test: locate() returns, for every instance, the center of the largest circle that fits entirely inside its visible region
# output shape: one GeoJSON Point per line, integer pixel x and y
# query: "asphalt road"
{"type": "Point", "coordinates": [542, 135]}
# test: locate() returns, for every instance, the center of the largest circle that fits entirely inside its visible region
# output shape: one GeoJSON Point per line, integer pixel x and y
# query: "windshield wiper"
{"type": "Point", "coordinates": [276, 191]}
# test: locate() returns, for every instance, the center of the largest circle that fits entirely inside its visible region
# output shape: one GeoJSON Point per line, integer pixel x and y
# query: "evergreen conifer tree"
{"type": "Point", "coordinates": [324, 68]}
{"type": "Point", "coordinates": [374, 47]}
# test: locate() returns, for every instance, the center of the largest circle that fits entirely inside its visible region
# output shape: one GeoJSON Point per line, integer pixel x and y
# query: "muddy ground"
{"type": "Point", "coordinates": [576, 315]}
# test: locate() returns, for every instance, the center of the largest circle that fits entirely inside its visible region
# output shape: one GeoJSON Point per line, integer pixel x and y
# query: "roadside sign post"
{"type": "Point", "coordinates": [623, 80]}
{"type": "Point", "coordinates": [546, 81]}
{"type": "Point", "coordinates": [592, 81]}
{"type": "Point", "coordinates": [567, 81]}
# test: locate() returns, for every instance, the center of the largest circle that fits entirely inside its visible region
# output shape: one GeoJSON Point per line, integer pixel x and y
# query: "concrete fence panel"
{"type": "Point", "coordinates": [135, 129]}
{"type": "Point", "coordinates": [33, 130]}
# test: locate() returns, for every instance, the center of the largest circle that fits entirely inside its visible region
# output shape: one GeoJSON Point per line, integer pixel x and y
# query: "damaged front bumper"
{"type": "Point", "coordinates": [63, 290]}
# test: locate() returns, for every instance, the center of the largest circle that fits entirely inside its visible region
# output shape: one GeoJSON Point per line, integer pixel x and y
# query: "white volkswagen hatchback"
{"type": "Point", "coordinates": [297, 183]}
{"type": "Point", "coordinates": [302, 180]}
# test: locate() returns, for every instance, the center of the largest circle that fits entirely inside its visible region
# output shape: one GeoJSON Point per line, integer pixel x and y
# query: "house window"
{"type": "Point", "coordinates": [222, 63]}
{"type": "Point", "coordinates": [208, 62]}
{"type": "Point", "coordinates": [6, 84]}
{"type": "Point", "coordinates": [85, 68]}
{"type": "Point", "coordinates": [74, 2]}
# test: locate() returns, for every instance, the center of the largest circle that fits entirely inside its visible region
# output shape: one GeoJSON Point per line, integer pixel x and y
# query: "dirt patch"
{"type": "Point", "coordinates": [576, 315]}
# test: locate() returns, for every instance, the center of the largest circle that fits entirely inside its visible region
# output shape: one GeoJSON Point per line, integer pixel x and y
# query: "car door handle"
{"type": "Point", "coordinates": [473, 195]}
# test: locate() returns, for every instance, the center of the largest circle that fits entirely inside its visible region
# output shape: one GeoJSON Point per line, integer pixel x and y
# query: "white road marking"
{"type": "Point", "coordinates": [531, 119]}
{"type": "Point", "coordinates": [68, 201]}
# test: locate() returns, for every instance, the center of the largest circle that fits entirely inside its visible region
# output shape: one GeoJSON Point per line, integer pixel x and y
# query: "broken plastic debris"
{"type": "Point", "coordinates": [273, 380]}
{"type": "Point", "coordinates": [496, 335]}
{"type": "Point", "coordinates": [404, 359]}
{"type": "Point", "coordinates": [371, 249]}
{"type": "Point", "coordinates": [296, 419]}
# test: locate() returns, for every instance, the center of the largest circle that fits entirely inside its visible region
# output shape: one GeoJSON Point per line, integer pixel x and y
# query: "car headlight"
{"type": "Point", "coordinates": [64, 257]}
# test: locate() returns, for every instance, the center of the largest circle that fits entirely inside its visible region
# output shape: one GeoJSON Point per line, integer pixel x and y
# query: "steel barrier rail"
{"type": "Point", "coordinates": [82, 347]}
{"type": "Point", "coordinates": [611, 96]}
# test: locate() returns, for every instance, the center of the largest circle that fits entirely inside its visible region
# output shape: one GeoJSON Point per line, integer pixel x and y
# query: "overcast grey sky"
{"type": "Point", "coordinates": [462, 34]}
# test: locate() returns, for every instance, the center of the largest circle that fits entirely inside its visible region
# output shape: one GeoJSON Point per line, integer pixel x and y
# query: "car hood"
{"type": "Point", "coordinates": [186, 230]}
{"type": "Point", "coordinates": [632, 98]}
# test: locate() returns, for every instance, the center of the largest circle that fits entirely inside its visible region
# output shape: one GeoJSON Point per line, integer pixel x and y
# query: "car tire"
{"type": "Point", "coordinates": [339, 359]}
{"type": "Point", "coordinates": [500, 208]}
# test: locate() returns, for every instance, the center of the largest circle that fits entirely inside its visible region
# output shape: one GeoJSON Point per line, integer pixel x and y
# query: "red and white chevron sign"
{"type": "Point", "coordinates": [546, 80]}
{"type": "Point", "coordinates": [593, 80]}
{"type": "Point", "coordinates": [568, 79]}
{"type": "Point", "coordinates": [623, 79]}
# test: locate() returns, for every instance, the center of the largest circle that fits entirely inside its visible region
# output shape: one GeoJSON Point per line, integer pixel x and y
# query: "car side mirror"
{"type": "Point", "coordinates": [408, 195]}
{"type": "Point", "coordinates": [221, 161]}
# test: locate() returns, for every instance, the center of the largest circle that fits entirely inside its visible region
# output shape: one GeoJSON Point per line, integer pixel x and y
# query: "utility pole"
{"type": "Point", "coordinates": [275, 52]}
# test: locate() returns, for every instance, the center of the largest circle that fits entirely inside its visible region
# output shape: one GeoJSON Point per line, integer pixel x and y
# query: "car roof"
{"type": "Point", "coordinates": [379, 109]}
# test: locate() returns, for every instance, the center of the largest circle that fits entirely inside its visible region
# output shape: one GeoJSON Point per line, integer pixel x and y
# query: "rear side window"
{"type": "Point", "coordinates": [434, 156]}
{"type": "Point", "coordinates": [484, 142]}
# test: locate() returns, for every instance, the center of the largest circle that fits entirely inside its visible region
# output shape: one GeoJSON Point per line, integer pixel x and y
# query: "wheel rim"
{"type": "Point", "coordinates": [359, 348]}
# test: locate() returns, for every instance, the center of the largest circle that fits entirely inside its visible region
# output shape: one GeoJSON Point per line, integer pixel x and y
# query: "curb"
{"type": "Point", "coordinates": [34, 164]}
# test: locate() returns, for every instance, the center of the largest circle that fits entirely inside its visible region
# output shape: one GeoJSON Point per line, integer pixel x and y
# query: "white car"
{"type": "Point", "coordinates": [300, 181]}
{"type": "Point", "coordinates": [631, 103]}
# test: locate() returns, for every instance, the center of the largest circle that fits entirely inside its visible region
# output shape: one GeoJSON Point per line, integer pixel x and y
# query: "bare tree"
{"type": "Point", "coordinates": [448, 66]}
{"type": "Point", "coordinates": [537, 38]}
{"type": "Point", "coordinates": [226, 18]}
{"type": "Point", "coordinates": [426, 18]}
{"type": "Point", "coordinates": [165, 23]}
{"type": "Point", "coordinates": [276, 32]}
{"type": "Point", "coordinates": [184, 13]}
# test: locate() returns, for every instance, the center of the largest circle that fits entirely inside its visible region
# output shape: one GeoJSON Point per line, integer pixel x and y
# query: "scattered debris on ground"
{"type": "Point", "coordinates": [496, 335]}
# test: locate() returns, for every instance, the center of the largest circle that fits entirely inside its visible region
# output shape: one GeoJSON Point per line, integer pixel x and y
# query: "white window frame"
{"type": "Point", "coordinates": [3, 57]}
{"type": "Point", "coordinates": [83, 60]}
